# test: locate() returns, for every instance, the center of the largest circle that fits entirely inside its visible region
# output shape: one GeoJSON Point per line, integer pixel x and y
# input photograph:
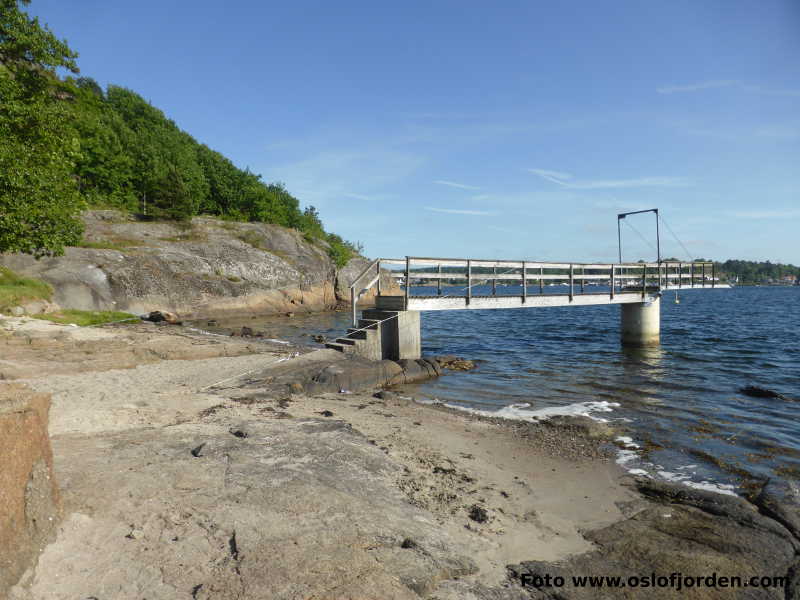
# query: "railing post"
{"type": "Point", "coordinates": [408, 280]}
{"type": "Point", "coordinates": [612, 282]}
{"type": "Point", "coordinates": [469, 281]}
{"type": "Point", "coordinates": [378, 268]}
{"type": "Point", "coordinates": [494, 281]}
{"type": "Point", "coordinates": [353, 300]}
{"type": "Point", "coordinates": [439, 281]}
{"type": "Point", "coordinates": [571, 283]}
{"type": "Point", "coordinates": [541, 280]}
{"type": "Point", "coordinates": [691, 273]}
{"type": "Point", "coordinates": [713, 274]}
{"type": "Point", "coordinates": [703, 275]}
{"type": "Point", "coordinates": [644, 281]}
{"type": "Point", "coordinates": [524, 282]}
{"type": "Point", "coordinates": [583, 272]}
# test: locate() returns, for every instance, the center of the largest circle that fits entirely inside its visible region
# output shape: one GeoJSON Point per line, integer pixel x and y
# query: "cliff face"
{"type": "Point", "coordinates": [198, 268]}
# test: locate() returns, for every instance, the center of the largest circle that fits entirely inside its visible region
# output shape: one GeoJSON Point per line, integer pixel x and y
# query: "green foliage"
{"type": "Point", "coordinates": [15, 290]}
{"type": "Point", "coordinates": [755, 272]}
{"type": "Point", "coordinates": [119, 244]}
{"type": "Point", "coordinates": [339, 250]}
{"type": "Point", "coordinates": [39, 200]}
{"type": "Point", "coordinates": [85, 318]}
{"type": "Point", "coordinates": [64, 144]}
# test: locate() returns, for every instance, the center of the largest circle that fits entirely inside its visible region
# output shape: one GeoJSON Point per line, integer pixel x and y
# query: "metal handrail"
{"type": "Point", "coordinates": [618, 274]}
{"type": "Point", "coordinates": [355, 295]}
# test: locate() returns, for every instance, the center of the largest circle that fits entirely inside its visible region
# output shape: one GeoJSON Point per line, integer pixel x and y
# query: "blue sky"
{"type": "Point", "coordinates": [511, 129]}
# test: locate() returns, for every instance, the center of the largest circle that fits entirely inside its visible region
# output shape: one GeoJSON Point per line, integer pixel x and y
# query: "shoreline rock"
{"type": "Point", "coordinates": [207, 266]}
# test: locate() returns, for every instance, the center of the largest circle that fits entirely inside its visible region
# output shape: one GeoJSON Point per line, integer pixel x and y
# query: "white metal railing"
{"type": "Point", "coordinates": [620, 277]}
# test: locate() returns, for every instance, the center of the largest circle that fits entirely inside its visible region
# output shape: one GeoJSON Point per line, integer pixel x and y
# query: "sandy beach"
{"type": "Point", "coordinates": [184, 476]}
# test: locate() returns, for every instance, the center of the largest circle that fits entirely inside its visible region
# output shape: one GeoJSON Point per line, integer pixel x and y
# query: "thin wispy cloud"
{"type": "Point", "coordinates": [551, 174]}
{"type": "Point", "coordinates": [766, 214]}
{"type": "Point", "coordinates": [726, 83]}
{"type": "Point", "coordinates": [356, 196]}
{"type": "Point", "coordinates": [696, 87]}
{"type": "Point", "coordinates": [460, 211]}
{"type": "Point", "coordinates": [565, 180]}
{"type": "Point", "coordinates": [455, 184]}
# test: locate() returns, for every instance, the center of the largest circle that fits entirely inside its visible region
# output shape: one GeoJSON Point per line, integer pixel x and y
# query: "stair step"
{"type": "Point", "coordinates": [374, 314]}
{"type": "Point", "coordinates": [368, 323]}
{"type": "Point", "coordinates": [334, 346]}
{"type": "Point", "coordinates": [346, 341]}
{"type": "Point", "coordinates": [357, 334]}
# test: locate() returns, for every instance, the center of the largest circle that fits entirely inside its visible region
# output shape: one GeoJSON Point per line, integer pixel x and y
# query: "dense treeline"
{"type": "Point", "coordinates": [749, 271]}
{"type": "Point", "coordinates": [67, 143]}
{"type": "Point", "coordinates": [134, 158]}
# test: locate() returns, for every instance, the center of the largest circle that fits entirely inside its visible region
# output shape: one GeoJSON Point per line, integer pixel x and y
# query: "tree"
{"type": "Point", "coordinates": [170, 197]}
{"type": "Point", "coordinates": [39, 199]}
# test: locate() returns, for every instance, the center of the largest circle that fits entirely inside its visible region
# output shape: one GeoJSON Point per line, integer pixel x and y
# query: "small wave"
{"type": "Point", "coordinates": [523, 411]}
{"type": "Point", "coordinates": [710, 486]}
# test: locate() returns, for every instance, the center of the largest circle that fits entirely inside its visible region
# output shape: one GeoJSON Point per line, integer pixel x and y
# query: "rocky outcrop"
{"type": "Point", "coordinates": [690, 533]}
{"type": "Point", "coordinates": [206, 266]}
{"type": "Point", "coordinates": [29, 498]}
{"type": "Point", "coordinates": [303, 508]}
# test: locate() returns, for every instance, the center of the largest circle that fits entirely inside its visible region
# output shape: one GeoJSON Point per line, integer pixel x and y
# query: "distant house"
{"type": "Point", "coordinates": [790, 279]}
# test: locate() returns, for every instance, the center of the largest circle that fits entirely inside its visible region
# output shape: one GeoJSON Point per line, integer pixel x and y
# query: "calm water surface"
{"type": "Point", "coordinates": [680, 402]}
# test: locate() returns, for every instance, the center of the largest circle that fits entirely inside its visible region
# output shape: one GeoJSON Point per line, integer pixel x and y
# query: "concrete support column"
{"type": "Point", "coordinates": [641, 323]}
{"type": "Point", "coordinates": [401, 336]}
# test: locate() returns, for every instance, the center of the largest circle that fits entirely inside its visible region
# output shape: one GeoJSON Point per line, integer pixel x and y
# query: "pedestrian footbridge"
{"type": "Point", "coordinates": [392, 328]}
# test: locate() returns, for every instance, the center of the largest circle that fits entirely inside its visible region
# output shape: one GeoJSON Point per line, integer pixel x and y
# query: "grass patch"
{"type": "Point", "coordinates": [120, 245]}
{"type": "Point", "coordinates": [86, 317]}
{"type": "Point", "coordinates": [15, 290]}
{"type": "Point", "coordinates": [252, 238]}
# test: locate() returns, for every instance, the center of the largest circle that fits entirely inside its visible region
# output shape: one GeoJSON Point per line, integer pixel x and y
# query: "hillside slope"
{"type": "Point", "coordinates": [207, 266]}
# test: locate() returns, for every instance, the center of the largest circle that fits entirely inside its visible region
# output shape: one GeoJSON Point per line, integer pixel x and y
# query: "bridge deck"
{"type": "Point", "coordinates": [626, 283]}
{"type": "Point", "coordinates": [484, 302]}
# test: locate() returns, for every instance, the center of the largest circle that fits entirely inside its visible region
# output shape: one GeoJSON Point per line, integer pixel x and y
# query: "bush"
{"type": "Point", "coordinates": [15, 290]}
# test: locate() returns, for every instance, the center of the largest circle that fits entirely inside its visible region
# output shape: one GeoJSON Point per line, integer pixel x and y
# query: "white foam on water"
{"type": "Point", "coordinates": [424, 400]}
{"type": "Point", "coordinates": [628, 441]}
{"type": "Point", "coordinates": [710, 486]}
{"type": "Point", "coordinates": [670, 476]}
{"type": "Point", "coordinates": [626, 456]}
{"type": "Point", "coordinates": [638, 472]}
{"type": "Point", "coordinates": [524, 412]}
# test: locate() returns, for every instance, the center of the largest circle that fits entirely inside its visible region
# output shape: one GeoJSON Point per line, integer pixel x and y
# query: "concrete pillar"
{"type": "Point", "coordinates": [399, 333]}
{"type": "Point", "coordinates": [641, 323]}
{"type": "Point", "coordinates": [400, 336]}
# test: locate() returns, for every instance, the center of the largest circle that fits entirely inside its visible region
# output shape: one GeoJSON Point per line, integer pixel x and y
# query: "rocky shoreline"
{"type": "Point", "coordinates": [199, 268]}
{"type": "Point", "coordinates": [207, 467]}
